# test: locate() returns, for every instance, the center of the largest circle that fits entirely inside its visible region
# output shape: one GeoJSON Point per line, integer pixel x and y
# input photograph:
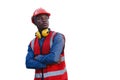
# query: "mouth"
{"type": "Point", "coordinates": [45, 24]}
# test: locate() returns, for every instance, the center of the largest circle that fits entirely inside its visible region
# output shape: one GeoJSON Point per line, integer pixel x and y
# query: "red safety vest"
{"type": "Point", "coordinates": [51, 72]}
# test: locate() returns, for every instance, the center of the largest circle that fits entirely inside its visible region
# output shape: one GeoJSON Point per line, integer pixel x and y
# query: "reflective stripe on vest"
{"type": "Point", "coordinates": [62, 58]}
{"type": "Point", "coordinates": [50, 74]}
{"type": "Point", "coordinates": [51, 41]}
{"type": "Point", "coordinates": [32, 44]}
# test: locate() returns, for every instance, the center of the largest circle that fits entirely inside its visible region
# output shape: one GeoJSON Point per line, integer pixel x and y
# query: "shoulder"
{"type": "Point", "coordinates": [57, 33]}
{"type": "Point", "coordinates": [59, 36]}
{"type": "Point", "coordinates": [32, 42]}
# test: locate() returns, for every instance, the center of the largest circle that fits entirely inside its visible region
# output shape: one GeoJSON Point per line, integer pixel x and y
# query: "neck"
{"type": "Point", "coordinates": [40, 30]}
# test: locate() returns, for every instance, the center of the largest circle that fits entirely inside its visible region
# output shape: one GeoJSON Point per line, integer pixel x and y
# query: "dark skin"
{"type": "Point", "coordinates": [42, 21]}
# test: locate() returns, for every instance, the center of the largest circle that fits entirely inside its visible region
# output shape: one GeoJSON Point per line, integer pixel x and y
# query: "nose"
{"type": "Point", "coordinates": [44, 20]}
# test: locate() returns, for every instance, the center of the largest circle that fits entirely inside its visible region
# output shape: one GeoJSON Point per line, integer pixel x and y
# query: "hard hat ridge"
{"type": "Point", "coordinates": [40, 11]}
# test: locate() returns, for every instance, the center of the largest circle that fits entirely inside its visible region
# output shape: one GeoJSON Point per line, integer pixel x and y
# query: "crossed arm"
{"type": "Point", "coordinates": [41, 61]}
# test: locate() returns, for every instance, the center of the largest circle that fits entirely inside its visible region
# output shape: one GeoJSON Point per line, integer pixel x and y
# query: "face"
{"type": "Point", "coordinates": [42, 21]}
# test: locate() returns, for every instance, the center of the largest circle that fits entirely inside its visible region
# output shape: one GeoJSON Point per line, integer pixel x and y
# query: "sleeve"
{"type": "Point", "coordinates": [31, 62]}
{"type": "Point", "coordinates": [55, 51]}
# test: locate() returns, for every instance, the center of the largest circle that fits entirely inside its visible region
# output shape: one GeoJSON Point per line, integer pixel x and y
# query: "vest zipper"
{"type": "Point", "coordinates": [41, 53]}
{"type": "Point", "coordinates": [42, 74]}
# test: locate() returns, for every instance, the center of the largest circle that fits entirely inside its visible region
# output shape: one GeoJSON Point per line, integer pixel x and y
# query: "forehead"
{"type": "Point", "coordinates": [42, 15]}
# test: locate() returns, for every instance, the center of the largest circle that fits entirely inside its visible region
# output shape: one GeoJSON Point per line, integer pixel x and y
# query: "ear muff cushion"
{"type": "Point", "coordinates": [45, 32]}
{"type": "Point", "coordinates": [37, 34]}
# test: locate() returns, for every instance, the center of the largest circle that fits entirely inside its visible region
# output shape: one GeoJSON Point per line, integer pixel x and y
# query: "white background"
{"type": "Point", "coordinates": [91, 27]}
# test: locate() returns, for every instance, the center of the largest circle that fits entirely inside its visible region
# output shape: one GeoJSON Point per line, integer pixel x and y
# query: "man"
{"type": "Point", "coordinates": [46, 50]}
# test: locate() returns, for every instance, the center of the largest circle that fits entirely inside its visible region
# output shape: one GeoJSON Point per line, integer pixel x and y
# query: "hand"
{"type": "Point", "coordinates": [59, 59]}
{"type": "Point", "coordinates": [37, 57]}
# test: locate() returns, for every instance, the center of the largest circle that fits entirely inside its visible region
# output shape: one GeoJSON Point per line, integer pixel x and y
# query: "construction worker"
{"type": "Point", "coordinates": [46, 50]}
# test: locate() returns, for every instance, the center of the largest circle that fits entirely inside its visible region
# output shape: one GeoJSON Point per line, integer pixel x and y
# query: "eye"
{"type": "Point", "coordinates": [38, 18]}
{"type": "Point", "coordinates": [44, 17]}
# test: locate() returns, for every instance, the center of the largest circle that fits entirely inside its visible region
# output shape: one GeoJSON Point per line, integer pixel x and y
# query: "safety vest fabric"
{"type": "Point", "coordinates": [55, 71]}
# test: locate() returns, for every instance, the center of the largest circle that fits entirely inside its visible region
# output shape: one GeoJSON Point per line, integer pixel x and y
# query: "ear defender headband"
{"type": "Point", "coordinates": [44, 33]}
